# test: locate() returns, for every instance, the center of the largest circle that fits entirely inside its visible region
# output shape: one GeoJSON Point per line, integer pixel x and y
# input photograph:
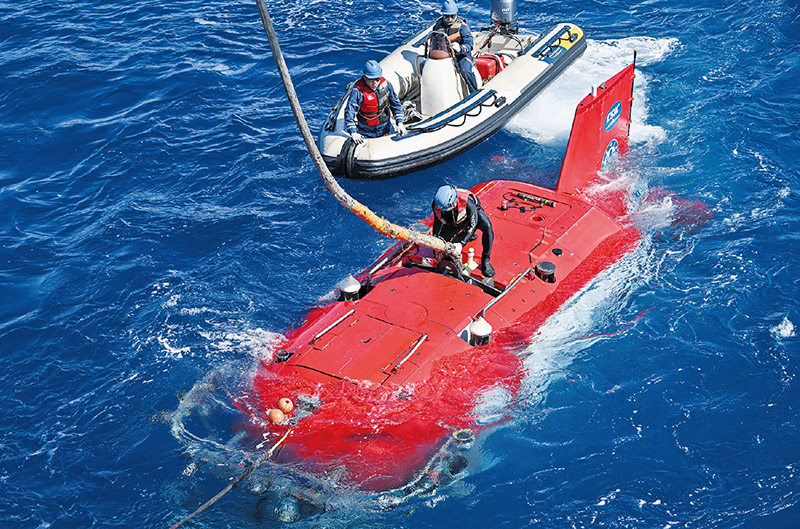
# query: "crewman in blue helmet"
{"type": "Point", "coordinates": [460, 38]}
{"type": "Point", "coordinates": [367, 112]}
{"type": "Point", "coordinates": [457, 213]}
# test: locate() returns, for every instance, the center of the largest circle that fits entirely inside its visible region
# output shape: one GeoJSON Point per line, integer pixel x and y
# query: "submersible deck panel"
{"type": "Point", "coordinates": [414, 308]}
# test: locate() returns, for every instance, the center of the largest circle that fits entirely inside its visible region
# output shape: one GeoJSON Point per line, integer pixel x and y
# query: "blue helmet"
{"type": "Point", "coordinates": [449, 7]}
{"type": "Point", "coordinates": [446, 198]}
{"type": "Point", "coordinates": [372, 70]}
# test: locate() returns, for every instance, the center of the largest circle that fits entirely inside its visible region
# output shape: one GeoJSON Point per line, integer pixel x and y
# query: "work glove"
{"type": "Point", "coordinates": [457, 250]}
{"type": "Point", "coordinates": [357, 138]}
{"type": "Point", "coordinates": [456, 48]}
{"type": "Point", "coordinates": [401, 129]}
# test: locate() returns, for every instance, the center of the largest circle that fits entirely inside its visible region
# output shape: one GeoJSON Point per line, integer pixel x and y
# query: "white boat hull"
{"type": "Point", "coordinates": [535, 61]}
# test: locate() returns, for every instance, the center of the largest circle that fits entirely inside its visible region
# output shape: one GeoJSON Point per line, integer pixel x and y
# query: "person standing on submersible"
{"type": "Point", "coordinates": [367, 112]}
{"type": "Point", "coordinates": [457, 213]}
{"type": "Point", "coordinates": [461, 40]}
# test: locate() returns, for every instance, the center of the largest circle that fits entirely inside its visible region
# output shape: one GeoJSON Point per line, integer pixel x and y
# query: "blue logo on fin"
{"type": "Point", "coordinates": [613, 116]}
{"type": "Point", "coordinates": [611, 154]}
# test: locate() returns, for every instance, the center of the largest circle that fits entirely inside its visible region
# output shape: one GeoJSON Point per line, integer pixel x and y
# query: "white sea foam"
{"type": "Point", "coordinates": [258, 343]}
{"type": "Point", "coordinates": [492, 405]}
{"type": "Point", "coordinates": [548, 118]}
{"type": "Point", "coordinates": [574, 327]}
{"type": "Point", "coordinates": [655, 215]}
{"type": "Point", "coordinates": [172, 351]}
{"type": "Point", "coordinates": [785, 329]}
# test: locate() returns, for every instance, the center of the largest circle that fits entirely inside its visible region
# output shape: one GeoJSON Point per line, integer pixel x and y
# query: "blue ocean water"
{"type": "Point", "coordinates": [163, 221]}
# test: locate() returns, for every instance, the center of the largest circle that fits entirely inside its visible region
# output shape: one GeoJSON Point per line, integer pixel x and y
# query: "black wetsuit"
{"type": "Point", "coordinates": [462, 232]}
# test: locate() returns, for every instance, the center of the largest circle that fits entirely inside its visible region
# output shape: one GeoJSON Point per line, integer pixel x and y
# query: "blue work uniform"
{"type": "Point", "coordinates": [459, 32]}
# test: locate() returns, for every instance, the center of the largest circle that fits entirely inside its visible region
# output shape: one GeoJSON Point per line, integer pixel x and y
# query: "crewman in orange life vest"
{"type": "Point", "coordinates": [367, 112]}
{"type": "Point", "coordinates": [457, 213]}
{"type": "Point", "coordinates": [461, 40]}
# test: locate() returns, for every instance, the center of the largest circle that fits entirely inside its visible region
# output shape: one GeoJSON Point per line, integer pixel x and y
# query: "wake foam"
{"type": "Point", "coordinates": [785, 329]}
{"type": "Point", "coordinates": [548, 118]}
{"type": "Point", "coordinates": [574, 328]}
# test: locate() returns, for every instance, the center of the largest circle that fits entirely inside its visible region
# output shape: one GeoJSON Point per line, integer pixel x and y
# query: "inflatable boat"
{"type": "Point", "coordinates": [442, 117]}
{"type": "Point", "coordinates": [382, 388]}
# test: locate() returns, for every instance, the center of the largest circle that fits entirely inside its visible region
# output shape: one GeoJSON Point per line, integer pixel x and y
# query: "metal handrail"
{"type": "Point", "coordinates": [506, 291]}
{"type": "Point", "coordinates": [332, 325]}
{"type": "Point", "coordinates": [411, 352]}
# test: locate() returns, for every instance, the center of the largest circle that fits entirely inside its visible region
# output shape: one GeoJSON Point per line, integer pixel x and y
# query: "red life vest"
{"type": "Point", "coordinates": [461, 205]}
{"type": "Point", "coordinates": [375, 106]}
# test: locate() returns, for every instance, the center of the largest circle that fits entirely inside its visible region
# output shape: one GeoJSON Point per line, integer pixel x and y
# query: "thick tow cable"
{"type": "Point", "coordinates": [379, 223]}
{"type": "Point", "coordinates": [235, 482]}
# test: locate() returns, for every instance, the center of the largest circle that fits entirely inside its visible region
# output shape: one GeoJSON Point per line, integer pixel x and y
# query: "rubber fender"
{"type": "Point", "coordinates": [348, 158]}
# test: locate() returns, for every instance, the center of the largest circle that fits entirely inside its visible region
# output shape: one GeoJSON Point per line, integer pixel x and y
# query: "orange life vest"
{"type": "Point", "coordinates": [375, 106]}
{"type": "Point", "coordinates": [453, 31]}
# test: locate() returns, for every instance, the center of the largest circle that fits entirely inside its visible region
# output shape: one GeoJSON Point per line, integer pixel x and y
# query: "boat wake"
{"type": "Point", "coordinates": [598, 312]}
{"type": "Point", "coordinates": [577, 326]}
{"type": "Point", "coordinates": [548, 118]}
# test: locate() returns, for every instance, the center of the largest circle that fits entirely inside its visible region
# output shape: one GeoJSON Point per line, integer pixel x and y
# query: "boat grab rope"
{"type": "Point", "coordinates": [234, 483]}
{"type": "Point", "coordinates": [478, 103]}
{"type": "Point", "coordinates": [550, 48]}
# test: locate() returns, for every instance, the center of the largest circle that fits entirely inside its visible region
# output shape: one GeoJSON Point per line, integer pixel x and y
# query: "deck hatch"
{"type": "Point", "coordinates": [364, 350]}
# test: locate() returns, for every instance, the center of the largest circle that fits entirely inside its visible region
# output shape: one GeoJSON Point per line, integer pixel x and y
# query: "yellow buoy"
{"type": "Point", "coordinates": [463, 436]}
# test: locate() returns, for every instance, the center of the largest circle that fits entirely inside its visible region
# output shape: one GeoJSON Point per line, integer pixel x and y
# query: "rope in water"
{"type": "Point", "coordinates": [382, 225]}
{"type": "Point", "coordinates": [235, 482]}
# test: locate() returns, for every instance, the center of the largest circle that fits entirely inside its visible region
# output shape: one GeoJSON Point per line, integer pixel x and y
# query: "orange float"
{"type": "Point", "coordinates": [276, 416]}
{"type": "Point", "coordinates": [285, 405]}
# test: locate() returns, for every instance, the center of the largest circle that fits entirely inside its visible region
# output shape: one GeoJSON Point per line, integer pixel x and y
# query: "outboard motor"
{"type": "Point", "coordinates": [504, 12]}
{"type": "Point", "coordinates": [440, 83]}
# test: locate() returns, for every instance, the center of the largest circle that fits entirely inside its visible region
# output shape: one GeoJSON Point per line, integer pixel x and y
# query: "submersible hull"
{"type": "Point", "coordinates": [419, 341]}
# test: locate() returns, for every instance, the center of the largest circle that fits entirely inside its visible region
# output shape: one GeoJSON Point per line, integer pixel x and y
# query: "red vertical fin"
{"type": "Point", "coordinates": [599, 131]}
